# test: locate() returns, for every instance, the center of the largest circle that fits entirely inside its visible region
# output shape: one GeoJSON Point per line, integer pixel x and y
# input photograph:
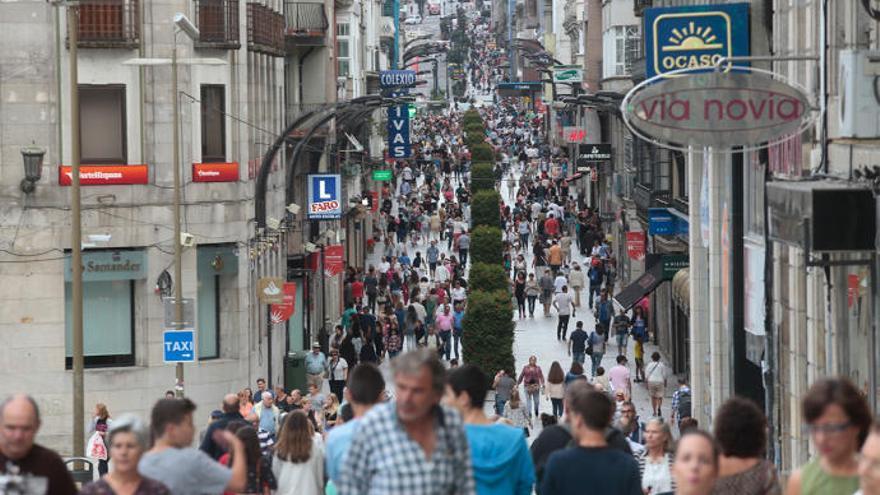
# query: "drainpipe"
{"type": "Point", "coordinates": [593, 58]}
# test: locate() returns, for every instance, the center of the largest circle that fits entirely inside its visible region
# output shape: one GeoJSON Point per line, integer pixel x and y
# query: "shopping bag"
{"type": "Point", "coordinates": [95, 447]}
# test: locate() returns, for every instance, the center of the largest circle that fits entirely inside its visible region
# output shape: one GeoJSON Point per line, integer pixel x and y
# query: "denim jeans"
{"type": "Point", "coordinates": [533, 398]}
{"type": "Point", "coordinates": [557, 407]}
{"type": "Point", "coordinates": [578, 357]}
{"type": "Point", "coordinates": [499, 405]}
{"type": "Point", "coordinates": [456, 340]}
{"type": "Point", "coordinates": [531, 300]}
{"type": "Point", "coordinates": [596, 357]}
{"type": "Point", "coordinates": [445, 347]}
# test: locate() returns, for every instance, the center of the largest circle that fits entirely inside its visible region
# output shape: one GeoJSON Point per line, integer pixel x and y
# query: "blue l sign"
{"type": "Point", "coordinates": [325, 192]}
{"type": "Point", "coordinates": [178, 346]}
{"type": "Point", "coordinates": [694, 36]}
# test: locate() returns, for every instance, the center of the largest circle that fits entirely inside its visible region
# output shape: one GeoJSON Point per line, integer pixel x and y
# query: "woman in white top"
{"type": "Point", "coordinates": [299, 459]}
{"type": "Point", "coordinates": [655, 463]}
{"type": "Point", "coordinates": [655, 374]}
{"type": "Point", "coordinates": [555, 388]}
{"type": "Point", "coordinates": [576, 282]}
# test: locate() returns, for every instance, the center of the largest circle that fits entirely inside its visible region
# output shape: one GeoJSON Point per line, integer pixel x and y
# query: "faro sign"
{"type": "Point", "coordinates": [694, 37]}
{"type": "Point", "coordinates": [743, 108]}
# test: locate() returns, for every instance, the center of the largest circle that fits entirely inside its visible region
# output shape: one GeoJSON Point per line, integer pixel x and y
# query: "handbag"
{"type": "Point", "coordinates": [533, 388]}
{"type": "Point", "coordinates": [589, 350]}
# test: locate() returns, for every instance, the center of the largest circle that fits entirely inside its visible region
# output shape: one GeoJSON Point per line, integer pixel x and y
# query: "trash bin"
{"type": "Point", "coordinates": [295, 371]}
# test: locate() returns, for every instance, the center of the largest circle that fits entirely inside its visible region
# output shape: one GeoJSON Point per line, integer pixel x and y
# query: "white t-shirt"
{"type": "Point", "coordinates": [337, 371]}
{"type": "Point", "coordinates": [459, 293]}
{"type": "Point", "coordinates": [563, 300]}
{"type": "Point", "coordinates": [559, 282]}
{"type": "Point", "coordinates": [384, 267]}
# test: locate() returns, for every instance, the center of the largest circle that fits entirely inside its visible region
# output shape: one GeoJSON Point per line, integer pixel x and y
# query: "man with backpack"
{"type": "Point", "coordinates": [681, 401]}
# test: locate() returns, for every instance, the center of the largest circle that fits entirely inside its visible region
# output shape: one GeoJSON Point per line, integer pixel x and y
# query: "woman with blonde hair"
{"type": "Point", "coordinates": [331, 411]}
{"type": "Point", "coordinates": [655, 462]}
{"type": "Point", "coordinates": [100, 424]}
{"type": "Point", "coordinates": [516, 413]}
{"type": "Point", "coordinates": [245, 406]}
{"type": "Point", "coordinates": [299, 460]}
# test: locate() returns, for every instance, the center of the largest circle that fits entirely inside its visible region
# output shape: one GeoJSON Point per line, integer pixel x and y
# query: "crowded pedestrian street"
{"type": "Point", "coordinates": [469, 247]}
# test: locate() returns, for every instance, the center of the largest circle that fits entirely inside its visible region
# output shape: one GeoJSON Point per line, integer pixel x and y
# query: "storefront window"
{"type": "Point", "coordinates": [217, 268]}
{"type": "Point", "coordinates": [108, 307]}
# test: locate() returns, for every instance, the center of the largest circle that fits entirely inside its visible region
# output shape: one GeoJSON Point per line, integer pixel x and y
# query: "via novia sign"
{"type": "Point", "coordinates": [178, 346]}
{"type": "Point", "coordinates": [325, 193]}
{"type": "Point", "coordinates": [745, 107]}
{"type": "Point", "coordinates": [396, 83]}
{"type": "Point", "coordinates": [694, 37]}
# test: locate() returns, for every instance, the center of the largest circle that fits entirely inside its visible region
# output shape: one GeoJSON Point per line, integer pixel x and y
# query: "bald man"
{"type": "Point", "coordinates": [230, 414]}
{"type": "Point", "coordinates": [19, 423]}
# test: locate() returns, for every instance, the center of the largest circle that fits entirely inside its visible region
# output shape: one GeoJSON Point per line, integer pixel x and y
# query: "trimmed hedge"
{"type": "Point", "coordinates": [487, 339]}
{"type": "Point", "coordinates": [486, 245]}
{"type": "Point", "coordinates": [482, 177]}
{"type": "Point", "coordinates": [485, 208]}
{"type": "Point", "coordinates": [487, 278]}
{"type": "Point", "coordinates": [482, 153]}
{"type": "Point", "coordinates": [472, 115]}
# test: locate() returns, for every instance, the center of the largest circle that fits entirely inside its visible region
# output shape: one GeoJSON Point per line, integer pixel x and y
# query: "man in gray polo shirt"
{"type": "Point", "coordinates": [183, 469]}
{"type": "Point", "coordinates": [503, 385]}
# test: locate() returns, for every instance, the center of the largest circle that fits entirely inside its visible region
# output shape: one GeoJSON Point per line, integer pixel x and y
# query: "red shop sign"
{"type": "Point", "coordinates": [282, 312]}
{"type": "Point", "coordinates": [215, 172]}
{"type": "Point", "coordinates": [852, 289]}
{"type": "Point", "coordinates": [334, 260]}
{"type": "Point", "coordinates": [104, 175]}
{"type": "Point", "coordinates": [375, 207]}
{"type": "Point", "coordinates": [635, 245]}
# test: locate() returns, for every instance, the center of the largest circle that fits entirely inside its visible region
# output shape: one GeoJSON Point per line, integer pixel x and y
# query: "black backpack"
{"type": "Point", "coordinates": [684, 404]}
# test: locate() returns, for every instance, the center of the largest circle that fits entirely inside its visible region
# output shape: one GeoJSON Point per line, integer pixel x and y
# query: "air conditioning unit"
{"type": "Point", "coordinates": [859, 89]}
{"type": "Point", "coordinates": [386, 29]}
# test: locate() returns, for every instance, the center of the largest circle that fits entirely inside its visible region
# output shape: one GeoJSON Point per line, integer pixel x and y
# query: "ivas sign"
{"type": "Point", "coordinates": [694, 36]}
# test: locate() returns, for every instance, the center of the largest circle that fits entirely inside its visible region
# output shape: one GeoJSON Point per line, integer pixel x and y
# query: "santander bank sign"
{"type": "Point", "coordinates": [744, 108]}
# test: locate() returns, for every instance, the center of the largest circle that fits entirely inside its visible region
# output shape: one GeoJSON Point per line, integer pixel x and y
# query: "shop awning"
{"type": "Point", "coordinates": [643, 286]}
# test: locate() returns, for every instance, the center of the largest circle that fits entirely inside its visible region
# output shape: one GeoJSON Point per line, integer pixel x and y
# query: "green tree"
{"type": "Point", "coordinates": [486, 245]}
{"type": "Point", "coordinates": [482, 177]}
{"type": "Point", "coordinates": [484, 277]}
{"type": "Point", "coordinates": [485, 208]}
{"type": "Point", "coordinates": [487, 340]}
{"type": "Point", "coordinates": [482, 153]}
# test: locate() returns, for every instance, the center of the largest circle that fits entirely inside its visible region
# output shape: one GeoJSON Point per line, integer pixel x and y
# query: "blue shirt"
{"type": "Point", "coordinates": [458, 318]}
{"type": "Point", "coordinates": [267, 420]}
{"type": "Point", "coordinates": [338, 442]}
{"type": "Point", "coordinates": [316, 363]}
{"type": "Point", "coordinates": [501, 460]}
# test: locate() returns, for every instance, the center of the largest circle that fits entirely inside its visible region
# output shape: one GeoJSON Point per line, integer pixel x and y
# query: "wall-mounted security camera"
{"type": "Point", "coordinates": [187, 239]}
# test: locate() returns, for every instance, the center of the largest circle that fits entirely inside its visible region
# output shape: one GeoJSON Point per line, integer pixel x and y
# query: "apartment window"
{"type": "Point", "coordinates": [621, 45]}
{"type": "Point", "coordinates": [213, 97]}
{"type": "Point", "coordinates": [102, 124]}
{"type": "Point", "coordinates": [343, 53]}
{"type": "Point", "coordinates": [109, 279]}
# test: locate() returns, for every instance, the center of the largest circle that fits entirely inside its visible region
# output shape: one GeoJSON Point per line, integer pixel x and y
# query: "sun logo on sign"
{"type": "Point", "coordinates": [692, 37]}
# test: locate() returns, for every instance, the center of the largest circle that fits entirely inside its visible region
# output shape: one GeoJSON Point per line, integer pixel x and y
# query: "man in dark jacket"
{"type": "Point", "coordinates": [230, 413]}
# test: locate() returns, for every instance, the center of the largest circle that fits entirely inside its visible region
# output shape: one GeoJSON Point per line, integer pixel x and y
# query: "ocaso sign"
{"type": "Point", "coordinates": [722, 109]}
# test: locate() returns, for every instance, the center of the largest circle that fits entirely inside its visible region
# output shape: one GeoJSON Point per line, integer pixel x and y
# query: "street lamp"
{"type": "Point", "coordinates": [32, 157]}
{"type": "Point", "coordinates": [181, 23]}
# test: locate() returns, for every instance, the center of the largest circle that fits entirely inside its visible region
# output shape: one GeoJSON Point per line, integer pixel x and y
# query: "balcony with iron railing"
{"type": "Point", "coordinates": [265, 30]}
{"type": "Point", "coordinates": [305, 21]}
{"type": "Point", "coordinates": [218, 24]}
{"type": "Point", "coordinates": [109, 24]}
{"type": "Point", "coordinates": [639, 6]}
{"type": "Point", "coordinates": [644, 197]}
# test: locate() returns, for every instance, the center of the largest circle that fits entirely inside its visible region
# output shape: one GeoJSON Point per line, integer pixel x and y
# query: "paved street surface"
{"type": "Point", "coordinates": [537, 336]}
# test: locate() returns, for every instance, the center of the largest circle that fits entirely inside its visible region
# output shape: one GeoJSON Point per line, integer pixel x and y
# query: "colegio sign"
{"type": "Point", "coordinates": [745, 107]}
